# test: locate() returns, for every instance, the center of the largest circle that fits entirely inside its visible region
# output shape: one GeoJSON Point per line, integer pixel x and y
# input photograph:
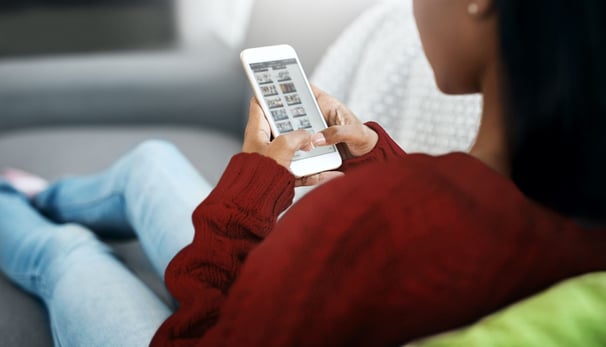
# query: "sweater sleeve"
{"type": "Point", "coordinates": [235, 217]}
{"type": "Point", "coordinates": [386, 150]}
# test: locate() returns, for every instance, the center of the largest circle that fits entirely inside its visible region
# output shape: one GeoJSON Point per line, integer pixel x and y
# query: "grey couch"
{"type": "Point", "coordinates": [76, 113]}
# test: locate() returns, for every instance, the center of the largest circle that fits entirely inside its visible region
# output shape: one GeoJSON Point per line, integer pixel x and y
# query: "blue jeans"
{"type": "Point", "coordinates": [50, 248]}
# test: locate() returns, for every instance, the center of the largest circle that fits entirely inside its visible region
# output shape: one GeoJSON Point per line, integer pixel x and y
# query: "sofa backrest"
{"type": "Point", "coordinates": [201, 87]}
{"type": "Point", "coordinates": [310, 26]}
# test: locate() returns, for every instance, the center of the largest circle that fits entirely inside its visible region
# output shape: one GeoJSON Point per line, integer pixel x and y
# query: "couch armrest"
{"type": "Point", "coordinates": [199, 88]}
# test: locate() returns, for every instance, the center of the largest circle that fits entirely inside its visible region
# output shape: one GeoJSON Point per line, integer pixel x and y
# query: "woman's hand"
{"type": "Point", "coordinates": [257, 139]}
{"type": "Point", "coordinates": [343, 128]}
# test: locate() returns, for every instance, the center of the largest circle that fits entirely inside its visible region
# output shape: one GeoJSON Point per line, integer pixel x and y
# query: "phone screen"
{"type": "Point", "coordinates": [291, 104]}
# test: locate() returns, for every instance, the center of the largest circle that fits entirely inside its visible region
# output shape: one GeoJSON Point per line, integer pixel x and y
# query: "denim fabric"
{"type": "Point", "coordinates": [50, 248]}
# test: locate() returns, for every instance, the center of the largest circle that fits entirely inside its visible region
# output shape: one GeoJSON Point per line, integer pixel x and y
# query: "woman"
{"type": "Point", "coordinates": [402, 246]}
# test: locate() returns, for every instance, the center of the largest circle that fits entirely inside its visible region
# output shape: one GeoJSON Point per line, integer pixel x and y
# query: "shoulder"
{"type": "Point", "coordinates": [444, 210]}
{"type": "Point", "coordinates": [454, 190]}
{"type": "Point", "coordinates": [423, 177]}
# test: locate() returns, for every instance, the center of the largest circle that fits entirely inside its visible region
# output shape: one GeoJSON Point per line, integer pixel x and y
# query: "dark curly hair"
{"type": "Point", "coordinates": [554, 56]}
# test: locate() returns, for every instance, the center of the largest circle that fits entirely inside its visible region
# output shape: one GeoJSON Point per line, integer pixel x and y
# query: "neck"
{"type": "Point", "coordinates": [490, 146]}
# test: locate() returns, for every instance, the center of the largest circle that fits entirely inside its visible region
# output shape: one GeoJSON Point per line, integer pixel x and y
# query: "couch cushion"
{"type": "Point", "coordinates": [571, 313]}
{"type": "Point", "coordinates": [81, 150]}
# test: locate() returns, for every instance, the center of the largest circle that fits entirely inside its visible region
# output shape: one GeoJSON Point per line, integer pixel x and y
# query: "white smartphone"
{"type": "Point", "coordinates": [284, 93]}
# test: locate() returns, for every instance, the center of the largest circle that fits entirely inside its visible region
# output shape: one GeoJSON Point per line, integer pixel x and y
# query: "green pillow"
{"type": "Point", "coordinates": [570, 314]}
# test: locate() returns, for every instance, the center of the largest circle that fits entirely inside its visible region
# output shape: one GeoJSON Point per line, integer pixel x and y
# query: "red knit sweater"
{"type": "Point", "coordinates": [401, 247]}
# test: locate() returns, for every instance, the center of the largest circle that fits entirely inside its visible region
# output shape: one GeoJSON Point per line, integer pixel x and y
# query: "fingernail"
{"type": "Point", "coordinates": [318, 139]}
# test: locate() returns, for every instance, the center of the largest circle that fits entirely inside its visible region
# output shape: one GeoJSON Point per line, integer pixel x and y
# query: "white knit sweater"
{"type": "Point", "coordinates": [377, 67]}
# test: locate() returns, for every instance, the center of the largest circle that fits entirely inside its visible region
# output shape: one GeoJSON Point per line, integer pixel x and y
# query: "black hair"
{"type": "Point", "coordinates": [554, 60]}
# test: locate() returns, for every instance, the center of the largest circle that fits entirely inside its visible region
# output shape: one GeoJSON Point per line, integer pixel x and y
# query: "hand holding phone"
{"type": "Point", "coordinates": [257, 140]}
{"type": "Point", "coordinates": [287, 101]}
{"type": "Point", "coordinates": [354, 137]}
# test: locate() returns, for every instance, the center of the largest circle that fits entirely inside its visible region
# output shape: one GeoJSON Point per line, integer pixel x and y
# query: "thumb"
{"type": "Point", "coordinates": [358, 138]}
{"type": "Point", "coordinates": [296, 140]}
{"type": "Point", "coordinates": [334, 135]}
{"type": "Point", "coordinates": [284, 147]}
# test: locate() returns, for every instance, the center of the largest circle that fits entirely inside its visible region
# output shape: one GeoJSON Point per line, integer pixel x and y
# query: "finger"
{"type": "Point", "coordinates": [318, 179]}
{"type": "Point", "coordinates": [339, 116]}
{"type": "Point", "coordinates": [257, 121]}
{"type": "Point", "coordinates": [257, 131]}
{"type": "Point", "coordinates": [337, 134]}
{"type": "Point", "coordinates": [328, 104]}
{"type": "Point", "coordinates": [335, 113]}
{"type": "Point", "coordinates": [317, 91]}
{"type": "Point", "coordinates": [358, 139]}
{"type": "Point", "coordinates": [284, 147]}
{"type": "Point", "coordinates": [294, 141]}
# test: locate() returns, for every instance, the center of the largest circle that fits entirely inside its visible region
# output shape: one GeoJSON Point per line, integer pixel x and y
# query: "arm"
{"type": "Point", "coordinates": [386, 150]}
{"type": "Point", "coordinates": [242, 209]}
{"type": "Point", "coordinates": [236, 216]}
{"type": "Point", "coordinates": [359, 143]}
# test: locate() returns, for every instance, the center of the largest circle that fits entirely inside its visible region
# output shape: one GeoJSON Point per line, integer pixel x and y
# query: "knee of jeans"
{"type": "Point", "coordinates": [152, 154]}
{"type": "Point", "coordinates": [68, 245]}
{"type": "Point", "coordinates": [70, 237]}
{"type": "Point", "coordinates": [70, 242]}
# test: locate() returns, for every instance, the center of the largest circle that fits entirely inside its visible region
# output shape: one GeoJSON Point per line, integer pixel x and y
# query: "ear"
{"type": "Point", "coordinates": [481, 8]}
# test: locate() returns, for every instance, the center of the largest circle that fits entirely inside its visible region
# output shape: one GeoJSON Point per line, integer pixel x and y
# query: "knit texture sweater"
{"type": "Point", "coordinates": [401, 247]}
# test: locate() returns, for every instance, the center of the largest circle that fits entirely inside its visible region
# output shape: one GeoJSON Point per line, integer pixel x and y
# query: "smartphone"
{"type": "Point", "coordinates": [284, 93]}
